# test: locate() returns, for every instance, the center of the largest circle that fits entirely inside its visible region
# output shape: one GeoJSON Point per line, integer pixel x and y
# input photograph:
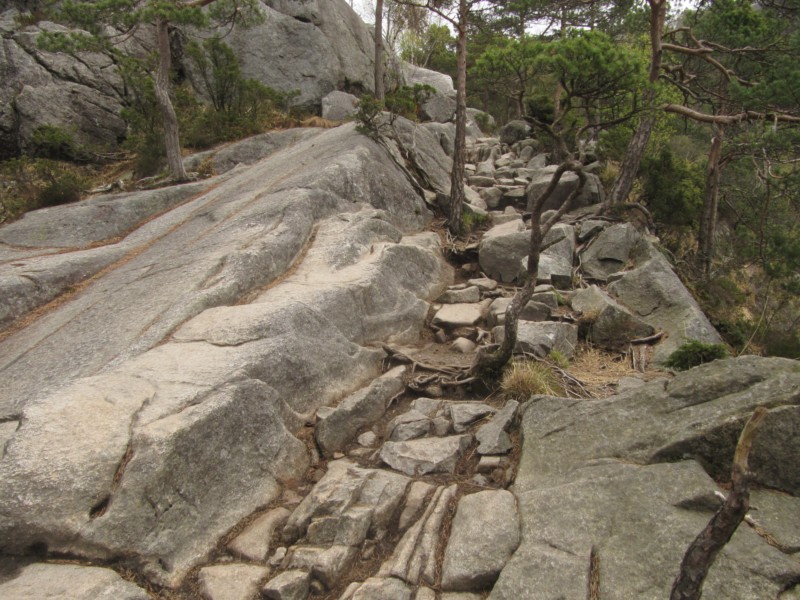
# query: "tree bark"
{"type": "Point", "coordinates": [702, 552]}
{"type": "Point", "coordinates": [708, 218]}
{"type": "Point", "coordinates": [459, 150]}
{"type": "Point", "coordinates": [638, 144]}
{"type": "Point", "coordinates": [171, 135]}
{"type": "Point", "coordinates": [379, 86]}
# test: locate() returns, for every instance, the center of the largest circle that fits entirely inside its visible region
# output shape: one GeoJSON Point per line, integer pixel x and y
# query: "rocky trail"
{"type": "Point", "coordinates": [274, 418]}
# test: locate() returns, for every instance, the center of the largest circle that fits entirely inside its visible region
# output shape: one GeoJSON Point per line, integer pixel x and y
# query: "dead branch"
{"type": "Point", "coordinates": [649, 339]}
{"type": "Point", "coordinates": [702, 552]}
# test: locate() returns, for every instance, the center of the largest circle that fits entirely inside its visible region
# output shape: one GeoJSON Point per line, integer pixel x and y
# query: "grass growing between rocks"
{"type": "Point", "coordinates": [524, 378]}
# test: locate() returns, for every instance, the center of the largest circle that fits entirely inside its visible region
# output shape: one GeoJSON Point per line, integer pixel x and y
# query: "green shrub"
{"type": "Point", "coordinates": [484, 121]}
{"type": "Point", "coordinates": [368, 115]}
{"type": "Point", "coordinates": [31, 183]}
{"type": "Point", "coordinates": [694, 353]}
{"type": "Point", "coordinates": [673, 189]}
{"type": "Point", "coordinates": [49, 141]}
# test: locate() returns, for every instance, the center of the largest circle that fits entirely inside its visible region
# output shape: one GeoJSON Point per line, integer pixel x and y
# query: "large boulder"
{"type": "Point", "coordinates": [442, 83]}
{"type": "Point", "coordinates": [311, 47]}
{"type": "Point", "coordinates": [338, 106]}
{"type": "Point", "coordinates": [653, 292]}
{"type": "Point", "coordinates": [609, 252]}
{"type": "Point", "coordinates": [158, 408]}
{"type": "Point", "coordinates": [659, 447]}
{"type": "Point", "coordinates": [592, 192]}
{"type": "Point", "coordinates": [514, 131]}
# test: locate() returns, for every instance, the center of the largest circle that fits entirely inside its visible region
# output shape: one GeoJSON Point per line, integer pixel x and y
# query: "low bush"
{"type": "Point", "coordinates": [694, 353]}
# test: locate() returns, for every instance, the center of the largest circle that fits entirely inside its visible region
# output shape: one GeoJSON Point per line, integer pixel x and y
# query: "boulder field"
{"type": "Point", "coordinates": [207, 393]}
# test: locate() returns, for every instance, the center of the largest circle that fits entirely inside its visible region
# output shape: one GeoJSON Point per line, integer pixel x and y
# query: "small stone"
{"type": "Point", "coordinates": [441, 426]}
{"type": "Point", "coordinates": [484, 284]}
{"type": "Point", "coordinates": [316, 475]}
{"type": "Point", "coordinates": [458, 315]}
{"type": "Point", "coordinates": [289, 585]}
{"type": "Point", "coordinates": [466, 295]}
{"type": "Point", "coordinates": [231, 582]}
{"type": "Point", "coordinates": [465, 414]}
{"type": "Point", "coordinates": [463, 345]}
{"type": "Point", "coordinates": [479, 479]}
{"type": "Point", "coordinates": [426, 455]}
{"type": "Point", "coordinates": [253, 542]}
{"type": "Point", "coordinates": [440, 336]}
{"type": "Point", "coordinates": [427, 406]}
{"type": "Point", "coordinates": [493, 437]}
{"type": "Point", "coordinates": [328, 565]}
{"type": "Point", "coordinates": [368, 439]}
{"type": "Point", "coordinates": [277, 557]}
{"type": "Point", "coordinates": [488, 464]}
{"type": "Point", "coordinates": [418, 492]}
{"type": "Point", "coordinates": [290, 498]}
{"type": "Point", "coordinates": [337, 455]}
{"type": "Point", "coordinates": [362, 452]}
{"type": "Point", "coordinates": [424, 593]}
{"type": "Point", "coordinates": [408, 426]}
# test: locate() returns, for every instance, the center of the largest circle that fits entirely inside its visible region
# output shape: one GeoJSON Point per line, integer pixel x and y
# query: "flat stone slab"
{"type": "Point", "coordinates": [45, 581]}
{"type": "Point", "coordinates": [427, 455]}
{"type": "Point", "coordinates": [484, 534]}
{"type": "Point", "coordinates": [458, 315]}
{"type": "Point", "coordinates": [493, 437]}
{"type": "Point", "coordinates": [378, 588]}
{"type": "Point", "coordinates": [540, 338]}
{"type": "Point", "coordinates": [253, 542]}
{"type": "Point", "coordinates": [289, 585]}
{"type": "Point", "coordinates": [231, 582]}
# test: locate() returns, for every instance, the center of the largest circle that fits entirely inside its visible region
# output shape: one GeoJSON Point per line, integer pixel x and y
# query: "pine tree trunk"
{"type": "Point", "coordinates": [459, 150]}
{"type": "Point", "coordinates": [633, 155]}
{"type": "Point", "coordinates": [379, 86]}
{"type": "Point", "coordinates": [171, 136]}
{"type": "Point", "coordinates": [708, 218]}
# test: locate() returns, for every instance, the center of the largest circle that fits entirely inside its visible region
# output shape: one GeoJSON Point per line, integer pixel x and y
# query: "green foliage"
{"type": "Point", "coordinates": [433, 49]}
{"type": "Point", "coordinates": [49, 141]}
{"type": "Point", "coordinates": [407, 100]}
{"type": "Point", "coordinates": [558, 358]}
{"type": "Point", "coordinates": [673, 188]}
{"type": "Point", "coordinates": [694, 353]}
{"type": "Point", "coordinates": [368, 116]}
{"type": "Point", "coordinates": [31, 183]}
{"type": "Point", "coordinates": [471, 220]}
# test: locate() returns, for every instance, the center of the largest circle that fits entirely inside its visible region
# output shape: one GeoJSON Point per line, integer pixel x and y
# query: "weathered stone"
{"type": "Point", "coordinates": [493, 197]}
{"type": "Point", "coordinates": [289, 585]}
{"type": "Point", "coordinates": [418, 493]}
{"type": "Point", "coordinates": [493, 437]}
{"type": "Point", "coordinates": [500, 253]}
{"type": "Point", "coordinates": [427, 455]}
{"type": "Point", "coordinates": [337, 428]}
{"type": "Point", "coordinates": [328, 565]}
{"type": "Point", "coordinates": [609, 252]}
{"type": "Point", "coordinates": [441, 82]}
{"type": "Point", "coordinates": [467, 295]}
{"type": "Point", "coordinates": [776, 513]}
{"type": "Point", "coordinates": [485, 168]}
{"type": "Point", "coordinates": [338, 106]}
{"type": "Point", "coordinates": [484, 535]}
{"type": "Point", "coordinates": [484, 284]}
{"type": "Point", "coordinates": [534, 311]}
{"type": "Point", "coordinates": [611, 326]}
{"type": "Point", "coordinates": [463, 345]}
{"type": "Point", "coordinates": [538, 162]}
{"type": "Point", "coordinates": [414, 557]}
{"type": "Point", "coordinates": [427, 406]}
{"type": "Point", "coordinates": [458, 315]}
{"type": "Point", "coordinates": [253, 542]}
{"type": "Point", "coordinates": [345, 485]}
{"type": "Point", "coordinates": [231, 582]}
{"type": "Point", "coordinates": [481, 119]}
{"type": "Point", "coordinates": [481, 181]}
{"type": "Point", "coordinates": [46, 581]}
{"type": "Point", "coordinates": [514, 131]}
{"type": "Point", "coordinates": [589, 228]}
{"type": "Point", "coordinates": [379, 588]}
{"type": "Point", "coordinates": [540, 338]}
{"type": "Point", "coordinates": [653, 292]}
{"type": "Point", "coordinates": [367, 439]}
{"type": "Point", "coordinates": [439, 108]}
{"type": "Point", "coordinates": [464, 414]}
{"type": "Point", "coordinates": [408, 426]}
{"type": "Point", "coordinates": [592, 192]}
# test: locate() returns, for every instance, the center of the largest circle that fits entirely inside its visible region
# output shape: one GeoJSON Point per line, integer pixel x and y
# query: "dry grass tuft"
{"type": "Point", "coordinates": [524, 378]}
{"type": "Point", "coordinates": [600, 371]}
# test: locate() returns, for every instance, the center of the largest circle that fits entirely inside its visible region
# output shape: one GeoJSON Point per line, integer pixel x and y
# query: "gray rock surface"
{"type": "Point", "coordinates": [653, 292]}
{"type": "Point", "coordinates": [464, 414]}
{"type": "Point", "coordinates": [98, 467]}
{"type": "Point", "coordinates": [339, 426]}
{"type": "Point", "coordinates": [231, 581]}
{"type": "Point", "coordinates": [56, 581]}
{"type": "Point", "coordinates": [514, 131]}
{"type": "Point", "coordinates": [438, 108]}
{"type": "Point", "coordinates": [289, 585]}
{"type": "Point", "coordinates": [610, 251]}
{"type": "Point", "coordinates": [441, 82]}
{"type": "Point", "coordinates": [592, 192]}
{"type": "Point", "coordinates": [426, 455]}
{"type": "Point", "coordinates": [253, 543]}
{"type": "Point", "coordinates": [611, 325]}
{"type": "Point", "coordinates": [493, 437]}
{"type": "Point", "coordinates": [379, 588]}
{"type": "Point", "coordinates": [484, 534]}
{"type": "Point", "coordinates": [458, 315]}
{"type": "Point", "coordinates": [571, 466]}
{"type": "Point", "coordinates": [466, 295]}
{"type": "Point", "coordinates": [338, 106]}
{"type": "Point", "coordinates": [540, 338]}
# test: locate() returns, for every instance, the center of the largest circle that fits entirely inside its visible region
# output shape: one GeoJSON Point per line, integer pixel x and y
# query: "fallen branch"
{"type": "Point", "coordinates": [702, 552]}
{"type": "Point", "coordinates": [649, 339]}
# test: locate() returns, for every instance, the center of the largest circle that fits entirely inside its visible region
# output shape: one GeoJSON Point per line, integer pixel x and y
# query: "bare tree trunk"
{"type": "Point", "coordinates": [379, 86]}
{"type": "Point", "coordinates": [459, 150]}
{"type": "Point", "coordinates": [708, 218]}
{"type": "Point", "coordinates": [638, 144]}
{"type": "Point", "coordinates": [493, 362]}
{"type": "Point", "coordinates": [702, 552]}
{"type": "Point", "coordinates": [171, 136]}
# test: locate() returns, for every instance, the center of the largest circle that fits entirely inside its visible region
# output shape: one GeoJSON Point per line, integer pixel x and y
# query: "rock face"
{"type": "Point", "coordinates": [312, 47]}
{"type": "Point", "coordinates": [99, 468]}
{"type": "Point", "coordinates": [52, 582]}
{"type": "Point", "coordinates": [649, 436]}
